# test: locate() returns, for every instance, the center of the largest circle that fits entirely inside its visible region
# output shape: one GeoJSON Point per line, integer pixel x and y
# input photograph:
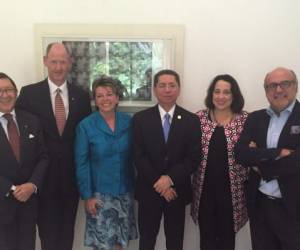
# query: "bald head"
{"type": "Point", "coordinates": [55, 46]}
{"type": "Point", "coordinates": [281, 87]}
{"type": "Point", "coordinates": [58, 62]}
{"type": "Point", "coordinates": [281, 71]}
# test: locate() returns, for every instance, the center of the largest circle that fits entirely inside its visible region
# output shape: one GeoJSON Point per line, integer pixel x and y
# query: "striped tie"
{"type": "Point", "coordinates": [13, 135]}
{"type": "Point", "coordinates": [60, 113]}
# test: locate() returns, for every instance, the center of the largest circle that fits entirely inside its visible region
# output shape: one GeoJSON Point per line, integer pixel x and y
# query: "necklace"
{"type": "Point", "coordinates": [222, 122]}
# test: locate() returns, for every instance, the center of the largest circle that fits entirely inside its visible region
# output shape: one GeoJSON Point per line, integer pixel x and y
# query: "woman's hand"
{"type": "Point", "coordinates": [91, 205]}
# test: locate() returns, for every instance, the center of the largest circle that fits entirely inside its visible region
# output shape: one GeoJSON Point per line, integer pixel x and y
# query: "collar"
{"type": "Point", "coordinates": [162, 112]}
{"type": "Point", "coordinates": [53, 87]}
{"type": "Point", "coordinates": [13, 113]}
{"type": "Point", "coordinates": [288, 109]}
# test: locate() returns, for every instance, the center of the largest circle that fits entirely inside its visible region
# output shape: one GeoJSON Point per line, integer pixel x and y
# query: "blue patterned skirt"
{"type": "Point", "coordinates": [114, 223]}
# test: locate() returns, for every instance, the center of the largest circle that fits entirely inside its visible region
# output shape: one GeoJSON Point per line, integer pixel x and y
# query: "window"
{"type": "Point", "coordinates": [131, 54]}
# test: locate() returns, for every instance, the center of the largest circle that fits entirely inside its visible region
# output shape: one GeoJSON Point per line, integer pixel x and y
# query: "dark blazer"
{"type": "Point", "coordinates": [286, 170]}
{"type": "Point", "coordinates": [31, 168]}
{"type": "Point", "coordinates": [36, 99]}
{"type": "Point", "coordinates": [178, 158]}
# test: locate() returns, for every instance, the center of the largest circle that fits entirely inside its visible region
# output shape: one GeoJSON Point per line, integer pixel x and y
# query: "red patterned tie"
{"type": "Point", "coordinates": [60, 113]}
{"type": "Point", "coordinates": [13, 135]}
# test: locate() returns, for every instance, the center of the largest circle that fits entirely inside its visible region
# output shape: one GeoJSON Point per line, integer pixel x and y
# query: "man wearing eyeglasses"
{"type": "Point", "coordinates": [23, 162]}
{"type": "Point", "coordinates": [270, 146]}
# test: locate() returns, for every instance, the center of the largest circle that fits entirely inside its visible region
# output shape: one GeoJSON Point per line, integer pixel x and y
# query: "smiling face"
{"type": "Point", "coordinates": [106, 100]}
{"type": "Point", "coordinates": [284, 88]}
{"type": "Point", "coordinates": [166, 91]}
{"type": "Point", "coordinates": [58, 63]}
{"type": "Point", "coordinates": [222, 96]}
{"type": "Point", "coordinates": [8, 95]}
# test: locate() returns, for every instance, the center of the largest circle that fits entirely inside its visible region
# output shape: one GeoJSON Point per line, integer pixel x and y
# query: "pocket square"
{"type": "Point", "coordinates": [31, 136]}
{"type": "Point", "coordinates": [295, 130]}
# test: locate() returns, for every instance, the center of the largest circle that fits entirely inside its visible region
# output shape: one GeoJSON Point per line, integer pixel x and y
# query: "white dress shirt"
{"type": "Point", "coordinates": [162, 113]}
{"type": "Point", "coordinates": [4, 121]}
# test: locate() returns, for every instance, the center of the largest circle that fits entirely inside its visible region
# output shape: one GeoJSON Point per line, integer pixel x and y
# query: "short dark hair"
{"type": "Point", "coordinates": [166, 72]}
{"type": "Point", "coordinates": [237, 97]}
{"type": "Point", "coordinates": [5, 76]}
{"type": "Point", "coordinates": [106, 81]}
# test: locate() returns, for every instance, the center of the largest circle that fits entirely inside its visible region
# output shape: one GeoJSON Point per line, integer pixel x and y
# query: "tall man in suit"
{"type": "Point", "coordinates": [166, 152]}
{"type": "Point", "coordinates": [270, 145]}
{"type": "Point", "coordinates": [59, 106]}
{"type": "Point", "coordinates": [23, 163]}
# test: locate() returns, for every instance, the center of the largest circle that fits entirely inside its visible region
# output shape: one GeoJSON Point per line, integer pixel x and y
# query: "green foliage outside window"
{"type": "Point", "coordinates": [130, 63]}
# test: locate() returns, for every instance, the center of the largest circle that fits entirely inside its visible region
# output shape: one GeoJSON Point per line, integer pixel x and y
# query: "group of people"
{"type": "Point", "coordinates": [230, 165]}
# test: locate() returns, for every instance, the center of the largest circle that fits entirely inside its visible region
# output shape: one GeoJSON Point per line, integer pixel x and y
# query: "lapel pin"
{"type": "Point", "coordinates": [31, 136]}
{"type": "Point", "coordinates": [178, 117]}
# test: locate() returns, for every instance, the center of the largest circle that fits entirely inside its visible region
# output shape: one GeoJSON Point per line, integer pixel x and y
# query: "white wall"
{"type": "Point", "coordinates": [245, 38]}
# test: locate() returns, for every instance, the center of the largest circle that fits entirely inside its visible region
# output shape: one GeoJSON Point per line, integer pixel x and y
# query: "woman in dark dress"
{"type": "Point", "coordinates": [219, 204]}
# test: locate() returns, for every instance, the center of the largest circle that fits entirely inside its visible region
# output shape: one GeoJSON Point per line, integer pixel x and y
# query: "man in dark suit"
{"type": "Point", "coordinates": [23, 163]}
{"type": "Point", "coordinates": [166, 152]}
{"type": "Point", "coordinates": [60, 106]}
{"type": "Point", "coordinates": [270, 145]}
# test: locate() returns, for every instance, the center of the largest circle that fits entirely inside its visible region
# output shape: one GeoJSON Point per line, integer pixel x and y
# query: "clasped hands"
{"type": "Point", "coordinates": [24, 191]}
{"type": "Point", "coordinates": [163, 186]}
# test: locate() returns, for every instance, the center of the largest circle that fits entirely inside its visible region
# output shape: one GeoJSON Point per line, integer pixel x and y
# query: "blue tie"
{"type": "Point", "coordinates": [166, 126]}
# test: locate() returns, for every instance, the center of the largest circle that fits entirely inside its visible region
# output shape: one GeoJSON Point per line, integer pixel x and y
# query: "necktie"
{"type": "Point", "coordinates": [13, 135]}
{"type": "Point", "coordinates": [60, 113]}
{"type": "Point", "coordinates": [166, 126]}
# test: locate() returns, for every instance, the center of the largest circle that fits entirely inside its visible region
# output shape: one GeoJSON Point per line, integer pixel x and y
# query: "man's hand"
{"type": "Point", "coordinates": [285, 152]}
{"type": "Point", "coordinates": [163, 183]}
{"type": "Point", "coordinates": [24, 191]}
{"type": "Point", "coordinates": [170, 194]}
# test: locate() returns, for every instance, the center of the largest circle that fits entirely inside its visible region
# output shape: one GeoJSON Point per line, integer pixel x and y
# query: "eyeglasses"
{"type": "Point", "coordinates": [283, 85]}
{"type": "Point", "coordinates": [7, 91]}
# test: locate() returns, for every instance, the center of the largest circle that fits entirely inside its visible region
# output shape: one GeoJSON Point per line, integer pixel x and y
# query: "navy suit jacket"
{"type": "Point", "coordinates": [31, 168]}
{"type": "Point", "coordinates": [35, 98]}
{"type": "Point", "coordinates": [178, 158]}
{"type": "Point", "coordinates": [286, 170]}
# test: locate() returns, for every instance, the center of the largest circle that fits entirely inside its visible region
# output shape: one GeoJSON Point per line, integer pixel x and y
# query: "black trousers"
{"type": "Point", "coordinates": [272, 227]}
{"type": "Point", "coordinates": [216, 219]}
{"type": "Point", "coordinates": [20, 233]}
{"type": "Point", "coordinates": [56, 221]}
{"type": "Point", "coordinates": [149, 218]}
